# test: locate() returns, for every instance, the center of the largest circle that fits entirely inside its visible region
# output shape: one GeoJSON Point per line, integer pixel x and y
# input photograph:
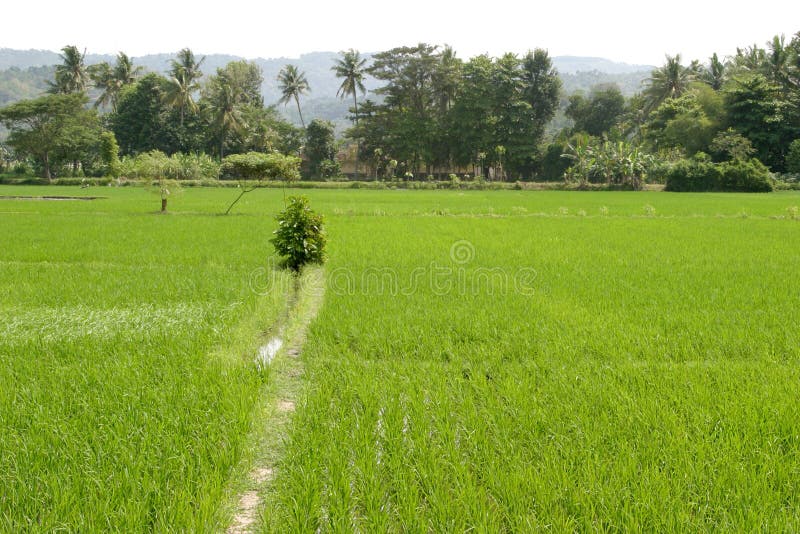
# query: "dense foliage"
{"type": "Point", "coordinates": [300, 237]}
{"type": "Point", "coordinates": [260, 166]}
{"type": "Point", "coordinates": [429, 113]}
{"type": "Point", "coordinates": [701, 174]}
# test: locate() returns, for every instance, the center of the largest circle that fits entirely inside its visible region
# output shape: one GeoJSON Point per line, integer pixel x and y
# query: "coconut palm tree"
{"type": "Point", "coordinates": [714, 75]}
{"type": "Point", "coordinates": [184, 82]}
{"type": "Point", "coordinates": [669, 81]}
{"type": "Point", "coordinates": [350, 68]}
{"type": "Point", "coordinates": [71, 75]}
{"type": "Point", "coordinates": [110, 80]}
{"type": "Point", "coordinates": [778, 59]}
{"type": "Point", "coordinates": [292, 84]}
{"type": "Point", "coordinates": [226, 118]}
{"type": "Point", "coordinates": [124, 71]}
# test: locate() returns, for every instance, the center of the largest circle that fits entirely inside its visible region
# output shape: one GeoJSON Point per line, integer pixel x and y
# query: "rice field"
{"type": "Point", "coordinates": [502, 361]}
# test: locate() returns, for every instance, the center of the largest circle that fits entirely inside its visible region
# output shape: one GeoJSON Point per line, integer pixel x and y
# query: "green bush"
{"type": "Point", "coordinates": [700, 174]}
{"type": "Point", "coordinates": [300, 238]}
{"type": "Point", "coordinates": [329, 168]}
{"type": "Point", "coordinates": [745, 176]}
{"type": "Point", "coordinates": [175, 167]}
{"type": "Point", "coordinates": [696, 174]}
{"type": "Point", "coordinates": [259, 166]}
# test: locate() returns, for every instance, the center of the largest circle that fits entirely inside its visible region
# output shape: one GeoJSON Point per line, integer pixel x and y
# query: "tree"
{"type": "Point", "coordinates": [109, 153]}
{"type": "Point", "coordinates": [669, 81]}
{"type": "Point", "coordinates": [46, 126]}
{"type": "Point", "coordinates": [715, 74]}
{"type": "Point", "coordinates": [141, 122]}
{"type": "Point", "coordinates": [688, 122]}
{"type": "Point", "coordinates": [731, 145]}
{"type": "Point", "coordinates": [183, 82]}
{"type": "Point", "coordinates": [227, 95]}
{"type": "Point", "coordinates": [500, 112]}
{"type": "Point", "coordinates": [254, 167]}
{"type": "Point", "coordinates": [71, 75]}
{"type": "Point", "coordinates": [759, 111]}
{"type": "Point", "coordinates": [110, 80]}
{"type": "Point", "coordinates": [320, 147]}
{"type": "Point", "coordinates": [292, 84]}
{"type": "Point", "coordinates": [793, 157]}
{"type": "Point", "coordinates": [598, 113]}
{"type": "Point", "coordinates": [409, 103]}
{"type": "Point", "coordinates": [350, 68]}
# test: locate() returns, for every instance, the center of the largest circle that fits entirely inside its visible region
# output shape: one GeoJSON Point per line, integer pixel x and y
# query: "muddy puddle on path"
{"type": "Point", "coordinates": [48, 198]}
{"type": "Point", "coordinates": [267, 352]}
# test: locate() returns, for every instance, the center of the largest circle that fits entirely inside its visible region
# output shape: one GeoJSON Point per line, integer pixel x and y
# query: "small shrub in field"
{"type": "Point", "coordinates": [649, 210]}
{"type": "Point", "coordinates": [299, 238]}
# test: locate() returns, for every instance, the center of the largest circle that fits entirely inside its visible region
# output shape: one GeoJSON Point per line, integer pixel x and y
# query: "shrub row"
{"type": "Point", "coordinates": [700, 174]}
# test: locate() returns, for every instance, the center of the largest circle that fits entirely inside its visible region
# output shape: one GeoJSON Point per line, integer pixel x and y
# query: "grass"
{"type": "Point", "coordinates": [644, 379]}
{"type": "Point", "coordinates": [126, 382]}
{"type": "Point", "coordinates": [497, 361]}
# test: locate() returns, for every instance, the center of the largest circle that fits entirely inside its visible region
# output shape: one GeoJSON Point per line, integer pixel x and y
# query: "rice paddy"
{"type": "Point", "coordinates": [501, 361]}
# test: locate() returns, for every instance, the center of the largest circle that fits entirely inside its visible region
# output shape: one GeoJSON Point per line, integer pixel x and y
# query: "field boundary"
{"type": "Point", "coordinates": [277, 404]}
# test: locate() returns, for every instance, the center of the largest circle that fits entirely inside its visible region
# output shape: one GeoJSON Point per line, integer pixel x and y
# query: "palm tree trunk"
{"type": "Point", "coordinates": [297, 101]}
{"type": "Point", "coordinates": [355, 106]}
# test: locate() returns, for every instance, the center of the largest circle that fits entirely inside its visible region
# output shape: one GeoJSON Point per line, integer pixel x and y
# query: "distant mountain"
{"type": "Point", "coordinates": [574, 64]}
{"type": "Point", "coordinates": [23, 74]}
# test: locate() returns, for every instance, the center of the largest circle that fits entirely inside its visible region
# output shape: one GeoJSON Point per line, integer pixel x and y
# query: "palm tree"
{"type": "Point", "coordinates": [184, 82]}
{"type": "Point", "coordinates": [111, 80]}
{"type": "Point", "coordinates": [669, 81]}
{"type": "Point", "coordinates": [102, 76]}
{"type": "Point", "coordinates": [292, 84]}
{"type": "Point", "coordinates": [778, 59]}
{"type": "Point", "coordinates": [124, 71]}
{"type": "Point", "coordinates": [714, 75]}
{"type": "Point", "coordinates": [223, 102]}
{"type": "Point", "coordinates": [71, 76]}
{"type": "Point", "coordinates": [350, 67]}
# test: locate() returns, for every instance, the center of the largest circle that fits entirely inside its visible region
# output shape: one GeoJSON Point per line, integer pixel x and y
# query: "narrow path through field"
{"type": "Point", "coordinates": [285, 378]}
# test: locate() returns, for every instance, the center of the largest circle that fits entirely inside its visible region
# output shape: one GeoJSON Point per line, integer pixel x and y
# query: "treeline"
{"type": "Point", "coordinates": [702, 126]}
{"type": "Point", "coordinates": [722, 125]}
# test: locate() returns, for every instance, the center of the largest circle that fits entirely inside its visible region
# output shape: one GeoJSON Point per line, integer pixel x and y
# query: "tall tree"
{"type": "Point", "coordinates": [292, 84]}
{"type": "Point", "coordinates": [758, 110]}
{"type": "Point", "coordinates": [141, 122]}
{"type": "Point", "coordinates": [227, 94]}
{"type": "Point", "coordinates": [715, 74]}
{"type": "Point", "coordinates": [598, 113]}
{"type": "Point", "coordinates": [71, 75]}
{"type": "Point", "coordinates": [184, 76]}
{"type": "Point", "coordinates": [48, 126]}
{"type": "Point", "coordinates": [110, 80]}
{"type": "Point", "coordinates": [669, 81]}
{"type": "Point", "coordinates": [350, 68]}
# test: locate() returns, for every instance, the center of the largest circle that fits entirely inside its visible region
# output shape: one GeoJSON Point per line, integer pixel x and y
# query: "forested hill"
{"type": "Point", "coordinates": [23, 74]}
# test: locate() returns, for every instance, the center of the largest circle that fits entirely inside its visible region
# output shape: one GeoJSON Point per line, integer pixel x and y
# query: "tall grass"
{"type": "Point", "coordinates": [647, 381]}
{"type": "Point", "coordinates": [126, 375]}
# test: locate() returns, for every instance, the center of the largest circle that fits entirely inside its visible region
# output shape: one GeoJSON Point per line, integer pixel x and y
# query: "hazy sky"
{"type": "Point", "coordinates": [622, 30]}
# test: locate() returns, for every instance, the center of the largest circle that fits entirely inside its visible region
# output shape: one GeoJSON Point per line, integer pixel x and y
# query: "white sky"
{"type": "Point", "coordinates": [620, 30]}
